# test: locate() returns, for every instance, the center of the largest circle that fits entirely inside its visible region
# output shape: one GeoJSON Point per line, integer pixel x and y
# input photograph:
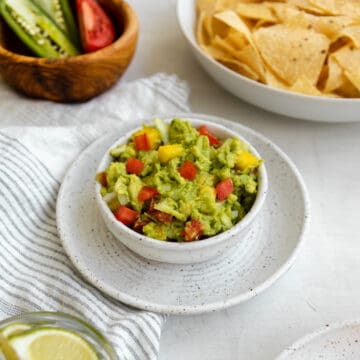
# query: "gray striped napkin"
{"type": "Point", "coordinates": [35, 273]}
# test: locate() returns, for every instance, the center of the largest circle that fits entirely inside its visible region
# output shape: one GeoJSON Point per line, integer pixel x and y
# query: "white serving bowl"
{"type": "Point", "coordinates": [278, 101]}
{"type": "Point", "coordinates": [186, 252]}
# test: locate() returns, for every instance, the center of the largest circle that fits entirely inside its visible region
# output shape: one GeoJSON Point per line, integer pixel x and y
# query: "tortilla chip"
{"type": "Point", "coordinates": [304, 86]}
{"type": "Point", "coordinates": [216, 52]}
{"type": "Point", "coordinates": [348, 90]}
{"type": "Point", "coordinates": [231, 19]}
{"type": "Point", "coordinates": [255, 11]}
{"type": "Point", "coordinates": [327, 6]}
{"type": "Point", "coordinates": [241, 68]}
{"type": "Point", "coordinates": [354, 78]}
{"type": "Point", "coordinates": [307, 46]}
{"type": "Point", "coordinates": [347, 7]}
{"type": "Point", "coordinates": [207, 25]}
{"type": "Point", "coordinates": [307, 6]}
{"type": "Point", "coordinates": [292, 52]}
{"type": "Point", "coordinates": [274, 81]}
{"type": "Point", "coordinates": [219, 27]}
{"type": "Point", "coordinates": [204, 5]}
{"type": "Point", "coordinates": [335, 77]}
{"type": "Point", "coordinates": [200, 34]}
{"type": "Point", "coordinates": [353, 33]}
{"type": "Point", "coordinates": [348, 58]}
{"type": "Point", "coordinates": [236, 39]}
{"type": "Point", "coordinates": [225, 46]}
{"type": "Point", "coordinates": [249, 56]}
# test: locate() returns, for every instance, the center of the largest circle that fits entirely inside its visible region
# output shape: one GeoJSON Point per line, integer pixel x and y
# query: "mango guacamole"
{"type": "Point", "coordinates": [173, 182]}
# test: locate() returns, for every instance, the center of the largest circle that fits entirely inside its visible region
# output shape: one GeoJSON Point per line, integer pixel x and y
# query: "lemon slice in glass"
{"type": "Point", "coordinates": [6, 351]}
{"type": "Point", "coordinates": [51, 344]}
{"type": "Point", "coordinates": [14, 329]}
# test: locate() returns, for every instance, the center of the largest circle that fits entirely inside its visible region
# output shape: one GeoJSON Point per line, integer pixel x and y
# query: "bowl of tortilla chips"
{"type": "Point", "coordinates": [299, 58]}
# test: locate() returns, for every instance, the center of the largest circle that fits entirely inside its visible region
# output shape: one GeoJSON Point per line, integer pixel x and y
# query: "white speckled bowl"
{"type": "Point", "coordinates": [283, 102]}
{"type": "Point", "coordinates": [182, 253]}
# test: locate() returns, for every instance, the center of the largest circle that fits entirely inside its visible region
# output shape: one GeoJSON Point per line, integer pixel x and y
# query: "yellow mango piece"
{"type": "Point", "coordinates": [246, 160]}
{"type": "Point", "coordinates": [153, 136]}
{"type": "Point", "coordinates": [208, 192]}
{"type": "Point", "coordinates": [168, 152]}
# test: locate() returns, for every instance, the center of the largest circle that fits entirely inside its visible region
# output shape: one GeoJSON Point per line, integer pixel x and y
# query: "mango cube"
{"type": "Point", "coordinates": [152, 135]}
{"type": "Point", "coordinates": [246, 160]}
{"type": "Point", "coordinates": [168, 152]}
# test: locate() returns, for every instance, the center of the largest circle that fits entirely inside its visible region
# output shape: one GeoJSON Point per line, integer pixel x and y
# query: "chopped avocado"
{"type": "Point", "coordinates": [134, 187]}
{"type": "Point", "coordinates": [181, 132]}
{"type": "Point", "coordinates": [177, 205]}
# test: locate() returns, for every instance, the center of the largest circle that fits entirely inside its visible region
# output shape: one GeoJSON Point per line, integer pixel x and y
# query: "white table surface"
{"type": "Point", "coordinates": [323, 286]}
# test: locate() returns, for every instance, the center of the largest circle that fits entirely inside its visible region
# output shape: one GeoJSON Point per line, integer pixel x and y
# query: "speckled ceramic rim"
{"type": "Point", "coordinates": [244, 78]}
{"type": "Point", "coordinates": [302, 342]}
{"type": "Point", "coordinates": [186, 246]}
{"type": "Point", "coordinates": [190, 309]}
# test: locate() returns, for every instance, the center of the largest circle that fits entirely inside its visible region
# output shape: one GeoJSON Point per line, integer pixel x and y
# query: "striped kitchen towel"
{"type": "Point", "coordinates": [35, 273]}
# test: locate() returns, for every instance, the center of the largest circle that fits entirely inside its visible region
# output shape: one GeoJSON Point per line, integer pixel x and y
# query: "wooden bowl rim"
{"type": "Point", "coordinates": [131, 28]}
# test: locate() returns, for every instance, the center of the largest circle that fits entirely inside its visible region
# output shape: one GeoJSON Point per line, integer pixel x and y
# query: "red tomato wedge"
{"type": "Point", "coordinates": [224, 188]}
{"type": "Point", "coordinates": [213, 140]}
{"type": "Point", "coordinates": [192, 230]}
{"type": "Point", "coordinates": [101, 178]}
{"type": "Point", "coordinates": [142, 142]}
{"type": "Point", "coordinates": [188, 170]}
{"type": "Point", "coordinates": [147, 193]}
{"type": "Point", "coordinates": [163, 217]}
{"type": "Point", "coordinates": [126, 215]}
{"type": "Point", "coordinates": [96, 28]}
{"type": "Point", "coordinates": [134, 166]}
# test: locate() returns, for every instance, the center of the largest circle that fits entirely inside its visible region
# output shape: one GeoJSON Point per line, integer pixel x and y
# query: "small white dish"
{"type": "Point", "coordinates": [283, 102]}
{"type": "Point", "coordinates": [185, 252]}
{"type": "Point", "coordinates": [332, 342]}
{"type": "Point", "coordinates": [236, 276]}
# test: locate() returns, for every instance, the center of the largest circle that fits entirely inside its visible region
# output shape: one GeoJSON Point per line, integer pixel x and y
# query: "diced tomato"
{"type": "Point", "coordinates": [134, 166]}
{"type": "Point", "coordinates": [192, 230]}
{"type": "Point", "coordinates": [213, 140]}
{"type": "Point", "coordinates": [126, 215]}
{"type": "Point", "coordinates": [140, 223]}
{"type": "Point", "coordinates": [142, 142]}
{"type": "Point", "coordinates": [224, 188]}
{"type": "Point", "coordinates": [147, 193]}
{"type": "Point", "coordinates": [101, 178]}
{"type": "Point", "coordinates": [96, 28]}
{"type": "Point", "coordinates": [188, 170]}
{"type": "Point", "coordinates": [162, 216]}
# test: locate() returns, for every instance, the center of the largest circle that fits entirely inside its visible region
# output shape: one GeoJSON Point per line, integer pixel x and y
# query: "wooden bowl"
{"type": "Point", "coordinates": [76, 78]}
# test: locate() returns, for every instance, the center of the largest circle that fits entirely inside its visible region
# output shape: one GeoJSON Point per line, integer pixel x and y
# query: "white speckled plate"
{"type": "Point", "coordinates": [333, 342]}
{"type": "Point", "coordinates": [236, 276]}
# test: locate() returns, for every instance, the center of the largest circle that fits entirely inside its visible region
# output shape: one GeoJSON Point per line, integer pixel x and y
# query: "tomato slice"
{"type": "Point", "coordinates": [140, 223]}
{"type": "Point", "coordinates": [224, 188]}
{"type": "Point", "coordinates": [147, 193]}
{"type": "Point", "coordinates": [96, 28]}
{"type": "Point", "coordinates": [126, 215]}
{"type": "Point", "coordinates": [192, 230]}
{"type": "Point", "coordinates": [188, 170]}
{"type": "Point", "coordinates": [134, 166]}
{"type": "Point", "coordinates": [162, 216]}
{"type": "Point", "coordinates": [101, 178]}
{"type": "Point", "coordinates": [213, 140]}
{"type": "Point", "coordinates": [142, 142]}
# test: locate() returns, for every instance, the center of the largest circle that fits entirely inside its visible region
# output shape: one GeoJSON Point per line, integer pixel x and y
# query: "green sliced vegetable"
{"type": "Point", "coordinates": [36, 29]}
{"type": "Point", "coordinates": [61, 13]}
